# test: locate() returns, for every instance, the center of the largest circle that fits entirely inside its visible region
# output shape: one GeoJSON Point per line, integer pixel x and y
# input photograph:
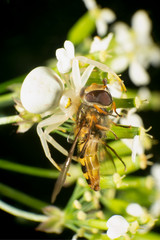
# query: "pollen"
{"type": "Point", "coordinates": [69, 102]}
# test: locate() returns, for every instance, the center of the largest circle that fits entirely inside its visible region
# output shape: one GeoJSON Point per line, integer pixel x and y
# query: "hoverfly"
{"type": "Point", "coordinates": [92, 123]}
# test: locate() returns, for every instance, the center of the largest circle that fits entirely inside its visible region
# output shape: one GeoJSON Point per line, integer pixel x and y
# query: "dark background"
{"type": "Point", "coordinates": [30, 32]}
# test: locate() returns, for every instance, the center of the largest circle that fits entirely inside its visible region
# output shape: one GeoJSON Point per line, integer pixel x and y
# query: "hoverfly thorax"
{"type": "Point", "coordinates": [96, 94]}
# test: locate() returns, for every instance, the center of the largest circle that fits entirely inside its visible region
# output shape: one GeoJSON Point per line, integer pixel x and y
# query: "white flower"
{"type": "Point", "coordinates": [135, 48]}
{"type": "Point", "coordinates": [144, 93]}
{"type": "Point", "coordinates": [65, 56]}
{"type": "Point", "coordinates": [106, 16]}
{"type": "Point", "coordinates": [135, 144]}
{"type": "Point", "coordinates": [155, 171]}
{"type": "Point", "coordinates": [132, 119]}
{"type": "Point", "coordinates": [137, 147]}
{"type": "Point", "coordinates": [135, 210]}
{"type": "Point", "coordinates": [117, 226]}
{"type": "Point", "coordinates": [99, 44]}
{"type": "Point", "coordinates": [103, 16]}
{"type": "Point", "coordinates": [155, 208]}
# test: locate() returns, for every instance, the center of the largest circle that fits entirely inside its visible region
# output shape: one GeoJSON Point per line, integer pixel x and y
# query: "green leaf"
{"type": "Point", "coordinates": [83, 28]}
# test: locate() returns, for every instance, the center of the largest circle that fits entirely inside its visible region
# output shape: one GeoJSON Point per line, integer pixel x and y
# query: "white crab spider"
{"type": "Point", "coordinates": [43, 92]}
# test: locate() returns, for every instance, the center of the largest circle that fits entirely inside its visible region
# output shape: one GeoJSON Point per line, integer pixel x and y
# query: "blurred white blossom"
{"type": "Point", "coordinates": [135, 48]}
{"type": "Point", "coordinates": [155, 172]}
{"type": "Point", "coordinates": [117, 226]}
{"type": "Point", "coordinates": [155, 208]}
{"type": "Point", "coordinates": [135, 210]}
{"type": "Point", "coordinates": [99, 44]}
{"type": "Point", "coordinates": [103, 16]}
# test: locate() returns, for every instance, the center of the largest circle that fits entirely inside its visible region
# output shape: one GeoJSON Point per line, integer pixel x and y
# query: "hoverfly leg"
{"type": "Point", "coordinates": [114, 109]}
{"type": "Point", "coordinates": [120, 125]}
{"type": "Point", "coordinates": [116, 155]}
{"type": "Point", "coordinates": [103, 128]}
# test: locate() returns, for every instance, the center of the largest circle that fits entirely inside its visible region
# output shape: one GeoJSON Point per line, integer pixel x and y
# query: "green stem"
{"type": "Point", "coordinates": [23, 214]}
{"type": "Point", "coordinates": [7, 99]}
{"type": "Point", "coordinates": [125, 102]}
{"type": "Point", "coordinates": [5, 85]}
{"type": "Point", "coordinates": [78, 191]}
{"type": "Point", "coordinates": [122, 132]}
{"type": "Point", "coordinates": [21, 197]}
{"type": "Point", "coordinates": [99, 224]}
{"type": "Point", "coordinates": [147, 236]}
{"type": "Point", "coordinates": [34, 171]}
{"type": "Point", "coordinates": [10, 119]}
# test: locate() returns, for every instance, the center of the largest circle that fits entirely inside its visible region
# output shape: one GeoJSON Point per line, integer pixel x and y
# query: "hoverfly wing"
{"type": "Point", "coordinates": [62, 177]}
{"type": "Point", "coordinates": [107, 165]}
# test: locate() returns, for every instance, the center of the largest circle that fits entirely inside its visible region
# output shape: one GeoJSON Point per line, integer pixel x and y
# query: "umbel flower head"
{"type": "Point", "coordinates": [135, 48]}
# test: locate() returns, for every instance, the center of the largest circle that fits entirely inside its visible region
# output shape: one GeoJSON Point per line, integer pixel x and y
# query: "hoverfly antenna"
{"type": "Point", "coordinates": [105, 81]}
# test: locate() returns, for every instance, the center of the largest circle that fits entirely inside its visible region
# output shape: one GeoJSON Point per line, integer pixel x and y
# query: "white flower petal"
{"type": "Point", "coordinates": [137, 148]}
{"type": "Point", "coordinates": [76, 77]}
{"type": "Point", "coordinates": [134, 209]}
{"type": "Point", "coordinates": [155, 171]}
{"type": "Point", "coordinates": [138, 74]}
{"type": "Point", "coordinates": [86, 74]}
{"type": "Point", "coordinates": [141, 23]}
{"type": "Point", "coordinates": [90, 4]}
{"type": "Point", "coordinates": [115, 89]}
{"type": "Point", "coordinates": [122, 33]}
{"type": "Point", "coordinates": [144, 93]}
{"type": "Point", "coordinates": [65, 56]}
{"type": "Point", "coordinates": [155, 56]}
{"type": "Point", "coordinates": [117, 226]}
{"type": "Point", "coordinates": [64, 66]}
{"type": "Point", "coordinates": [99, 44]}
{"type": "Point", "coordinates": [128, 142]}
{"type": "Point", "coordinates": [132, 119]}
{"type": "Point", "coordinates": [102, 27]}
{"type": "Point", "coordinates": [107, 15]}
{"type": "Point", "coordinates": [69, 49]}
{"type": "Point", "coordinates": [61, 53]}
{"type": "Point", "coordinates": [155, 209]}
{"type": "Point", "coordinates": [119, 64]}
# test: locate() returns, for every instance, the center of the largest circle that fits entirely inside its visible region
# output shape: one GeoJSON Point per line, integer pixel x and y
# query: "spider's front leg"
{"type": "Point", "coordinates": [51, 123]}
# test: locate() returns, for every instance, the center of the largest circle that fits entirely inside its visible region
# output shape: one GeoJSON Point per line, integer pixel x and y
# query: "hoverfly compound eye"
{"type": "Point", "coordinates": [82, 91]}
{"type": "Point", "coordinates": [101, 97]}
{"type": "Point", "coordinates": [41, 90]}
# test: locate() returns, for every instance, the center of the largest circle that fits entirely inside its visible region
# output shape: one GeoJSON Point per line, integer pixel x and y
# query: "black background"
{"type": "Point", "coordinates": [30, 32]}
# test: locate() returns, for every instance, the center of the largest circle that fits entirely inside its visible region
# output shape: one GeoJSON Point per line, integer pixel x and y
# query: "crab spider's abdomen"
{"type": "Point", "coordinates": [41, 90]}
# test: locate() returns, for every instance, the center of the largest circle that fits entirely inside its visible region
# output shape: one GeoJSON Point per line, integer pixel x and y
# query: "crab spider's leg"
{"type": "Point", "coordinates": [53, 142]}
{"type": "Point", "coordinates": [56, 120]}
{"type": "Point", "coordinates": [103, 67]}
